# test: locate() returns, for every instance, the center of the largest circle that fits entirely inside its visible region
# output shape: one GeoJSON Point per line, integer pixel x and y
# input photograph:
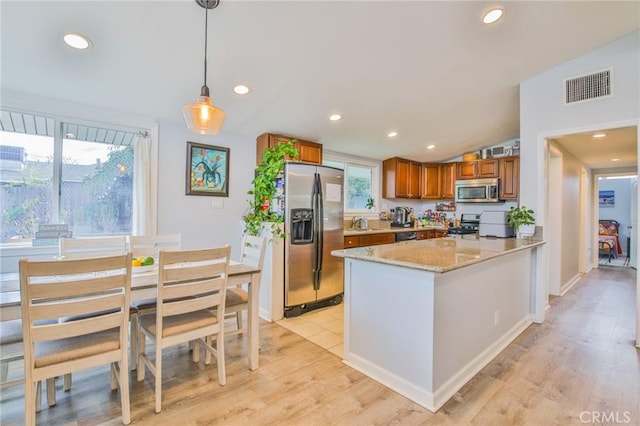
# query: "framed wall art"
{"type": "Point", "coordinates": [207, 170]}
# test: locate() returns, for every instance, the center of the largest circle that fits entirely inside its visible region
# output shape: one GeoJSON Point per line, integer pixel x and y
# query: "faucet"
{"type": "Point", "coordinates": [359, 222]}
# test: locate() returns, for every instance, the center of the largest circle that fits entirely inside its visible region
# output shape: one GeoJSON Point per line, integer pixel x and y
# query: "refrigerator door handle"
{"type": "Point", "coordinates": [317, 247]}
{"type": "Point", "coordinates": [320, 228]}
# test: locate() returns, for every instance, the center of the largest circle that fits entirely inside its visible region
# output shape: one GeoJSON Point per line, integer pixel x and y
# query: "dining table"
{"type": "Point", "coordinates": [144, 282]}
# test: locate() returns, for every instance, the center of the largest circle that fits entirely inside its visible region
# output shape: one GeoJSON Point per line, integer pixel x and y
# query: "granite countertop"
{"type": "Point", "coordinates": [439, 254]}
{"type": "Point", "coordinates": [348, 232]}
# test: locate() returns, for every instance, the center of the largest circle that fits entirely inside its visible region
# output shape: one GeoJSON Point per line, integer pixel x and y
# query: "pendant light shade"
{"type": "Point", "coordinates": [202, 116]}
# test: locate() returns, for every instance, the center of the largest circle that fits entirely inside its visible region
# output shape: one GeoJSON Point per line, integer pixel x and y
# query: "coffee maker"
{"type": "Point", "coordinates": [402, 217]}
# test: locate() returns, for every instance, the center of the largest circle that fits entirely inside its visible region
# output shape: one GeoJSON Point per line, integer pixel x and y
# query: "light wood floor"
{"type": "Point", "coordinates": [582, 359]}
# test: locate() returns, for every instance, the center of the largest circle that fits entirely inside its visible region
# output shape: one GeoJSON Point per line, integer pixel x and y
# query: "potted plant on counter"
{"type": "Point", "coordinates": [260, 211]}
{"type": "Point", "coordinates": [523, 220]}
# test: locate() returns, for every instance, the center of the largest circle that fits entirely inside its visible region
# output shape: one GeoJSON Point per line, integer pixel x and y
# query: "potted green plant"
{"type": "Point", "coordinates": [260, 211]}
{"type": "Point", "coordinates": [370, 203]}
{"type": "Point", "coordinates": [522, 219]}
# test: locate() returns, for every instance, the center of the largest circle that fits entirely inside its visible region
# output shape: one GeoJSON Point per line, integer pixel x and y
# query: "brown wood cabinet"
{"type": "Point", "coordinates": [308, 152]}
{"type": "Point", "coordinates": [425, 235]}
{"type": "Point", "coordinates": [448, 181]}
{"type": "Point", "coordinates": [431, 181]}
{"type": "Point", "coordinates": [477, 169]}
{"type": "Point", "coordinates": [352, 241]}
{"type": "Point", "coordinates": [509, 178]}
{"type": "Point", "coordinates": [439, 233]}
{"type": "Point", "coordinates": [401, 178]}
{"type": "Point", "coordinates": [369, 240]}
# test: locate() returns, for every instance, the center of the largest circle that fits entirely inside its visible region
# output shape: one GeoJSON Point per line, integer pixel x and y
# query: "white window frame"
{"type": "Point", "coordinates": [376, 168]}
{"type": "Point", "coordinates": [64, 111]}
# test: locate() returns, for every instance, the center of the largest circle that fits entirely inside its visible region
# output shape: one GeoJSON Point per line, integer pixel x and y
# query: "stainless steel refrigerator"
{"type": "Point", "coordinates": [313, 209]}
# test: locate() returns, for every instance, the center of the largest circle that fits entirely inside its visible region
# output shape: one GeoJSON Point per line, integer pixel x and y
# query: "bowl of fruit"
{"type": "Point", "coordinates": [142, 264]}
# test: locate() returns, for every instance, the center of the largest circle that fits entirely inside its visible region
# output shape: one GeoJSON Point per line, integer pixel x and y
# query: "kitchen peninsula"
{"type": "Point", "coordinates": [423, 317]}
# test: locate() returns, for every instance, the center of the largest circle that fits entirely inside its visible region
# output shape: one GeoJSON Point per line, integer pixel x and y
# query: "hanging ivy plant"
{"type": "Point", "coordinates": [264, 188]}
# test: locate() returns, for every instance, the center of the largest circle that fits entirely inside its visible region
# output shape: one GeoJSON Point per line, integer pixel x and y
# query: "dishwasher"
{"type": "Point", "coordinates": [406, 236]}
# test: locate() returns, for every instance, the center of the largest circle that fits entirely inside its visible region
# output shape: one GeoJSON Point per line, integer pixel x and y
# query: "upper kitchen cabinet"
{"type": "Point", "coordinates": [308, 152]}
{"type": "Point", "coordinates": [448, 180]}
{"type": "Point", "coordinates": [476, 169]}
{"type": "Point", "coordinates": [509, 177]}
{"type": "Point", "coordinates": [401, 178]}
{"type": "Point", "coordinates": [431, 181]}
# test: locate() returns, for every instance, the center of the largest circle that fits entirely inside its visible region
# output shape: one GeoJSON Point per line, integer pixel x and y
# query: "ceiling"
{"type": "Point", "coordinates": [616, 149]}
{"type": "Point", "coordinates": [428, 70]}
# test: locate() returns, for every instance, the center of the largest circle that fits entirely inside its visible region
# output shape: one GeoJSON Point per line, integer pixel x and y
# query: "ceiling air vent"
{"type": "Point", "coordinates": [588, 87]}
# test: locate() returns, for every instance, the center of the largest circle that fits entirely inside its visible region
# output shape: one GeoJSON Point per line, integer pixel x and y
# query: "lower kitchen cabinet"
{"type": "Point", "coordinates": [425, 235]}
{"type": "Point", "coordinates": [369, 240]}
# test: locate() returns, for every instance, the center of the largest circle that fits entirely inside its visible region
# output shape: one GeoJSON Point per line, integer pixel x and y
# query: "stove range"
{"type": "Point", "coordinates": [461, 230]}
{"type": "Point", "coordinates": [469, 224]}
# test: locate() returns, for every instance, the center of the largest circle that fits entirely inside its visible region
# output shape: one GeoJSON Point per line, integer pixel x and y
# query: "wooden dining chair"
{"type": "Point", "coordinates": [83, 247]}
{"type": "Point", "coordinates": [147, 246]}
{"type": "Point", "coordinates": [11, 351]}
{"type": "Point", "coordinates": [94, 289]}
{"type": "Point", "coordinates": [191, 283]}
{"type": "Point", "coordinates": [76, 248]}
{"type": "Point", "coordinates": [237, 297]}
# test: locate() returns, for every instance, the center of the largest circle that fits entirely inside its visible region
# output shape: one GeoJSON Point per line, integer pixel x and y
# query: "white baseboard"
{"type": "Point", "coordinates": [567, 286]}
{"type": "Point", "coordinates": [265, 314]}
{"type": "Point", "coordinates": [424, 396]}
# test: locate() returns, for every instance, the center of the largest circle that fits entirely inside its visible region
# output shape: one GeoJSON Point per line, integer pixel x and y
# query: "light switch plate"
{"type": "Point", "coordinates": [217, 203]}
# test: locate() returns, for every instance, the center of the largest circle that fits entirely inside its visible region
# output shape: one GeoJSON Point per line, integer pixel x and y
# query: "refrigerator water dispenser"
{"type": "Point", "coordinates": [301, 226]}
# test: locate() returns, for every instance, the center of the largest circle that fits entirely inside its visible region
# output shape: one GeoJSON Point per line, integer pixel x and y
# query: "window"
{"type": "Point", "coordinates": [53, 171]}
{"type": "Point", "coordinates": [361, 182]}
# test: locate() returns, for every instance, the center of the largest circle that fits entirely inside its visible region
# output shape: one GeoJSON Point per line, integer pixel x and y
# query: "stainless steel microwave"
{"type": "Point", "coordinates": [477, 191]}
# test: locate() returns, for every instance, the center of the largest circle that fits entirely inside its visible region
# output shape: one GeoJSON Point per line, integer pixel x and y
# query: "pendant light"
{"type": "Point", "coordinates": [202, 116]}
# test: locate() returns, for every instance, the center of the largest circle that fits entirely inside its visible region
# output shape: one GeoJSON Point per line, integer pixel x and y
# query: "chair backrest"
{"type": "Point", "coordinates": [97, 289]}
{"type": "Point", "coordinates": [150, 245]}
{"type": "Point", "coordinates": [77, 248]}
{"type": "Point", "coordinates": [192, 280]}
{"type": "Point", "coordinates": [253, 249]}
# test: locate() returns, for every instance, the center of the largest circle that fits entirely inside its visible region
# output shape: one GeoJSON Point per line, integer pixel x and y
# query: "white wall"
{"type": "Point", "coordinates": [202, 225]}
{"type": "Point", "coordinates": [621, 210]}
{"type": "Point", "coordinates": [544, 115]}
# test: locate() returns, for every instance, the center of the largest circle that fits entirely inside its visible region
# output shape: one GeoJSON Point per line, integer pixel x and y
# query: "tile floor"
{"type": "Point", "coordinates": [324, 327]}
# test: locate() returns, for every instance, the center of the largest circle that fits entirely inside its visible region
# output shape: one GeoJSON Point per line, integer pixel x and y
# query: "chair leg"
{"type": "Point", "coordinates": [222, 375]}
{"type": "Point", "coordinates": [51, 391]}
{"type": "Point", "coordinates": [124, 393]}
{"type": "Point", "coordinates": [38, 391]}
{"type": "Point", "coordinates": [158, 378]}
{"type": "Point", "coordinates": [196, 350]}
{"type": "Point", "coordinates": [114, 378]}
{"type": "Point", "coordinates": [239, 319]}
{"type": "Point", "coordinates": [141, 348]}
{"type": "Point", "coordinates": [207, 353]}
{"type": "Point", "coordinates": [133, 332]}
{"type": "Point", "coordinates": [4, 371]}
{"type": "Point", "coordinates": [31, 391]}
{"type": "Point", "coordinates": [67, 382]}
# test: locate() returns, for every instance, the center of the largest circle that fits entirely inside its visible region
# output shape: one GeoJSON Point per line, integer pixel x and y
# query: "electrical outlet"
{"type": "Point", "coordinates": [217, 203]}
{"type": "Point", "coordinates": [496, 317]}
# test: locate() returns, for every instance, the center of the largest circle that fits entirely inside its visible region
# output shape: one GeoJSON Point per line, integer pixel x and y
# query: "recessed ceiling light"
{"type": "Point", "coordinates": [392, 134]}
{"type": "Point", "coordinates": [77, 41]}
{"type": "Point", "coordinates": [335, 117]}
{"type": "Point", "coordinates": [431, 146]}
{"type": "Point", "coordinates": [492, 16]}
{"type": "Point", "coordinates": [241, 89]}
{"type": "Point", "coordinates": [599, 135]}
{"type": "Point", "coordinates": [615, 159]}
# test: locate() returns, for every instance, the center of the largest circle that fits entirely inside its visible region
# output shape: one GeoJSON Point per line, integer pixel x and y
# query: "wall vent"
{"type": "Point", "coordinates": [587, 87]}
